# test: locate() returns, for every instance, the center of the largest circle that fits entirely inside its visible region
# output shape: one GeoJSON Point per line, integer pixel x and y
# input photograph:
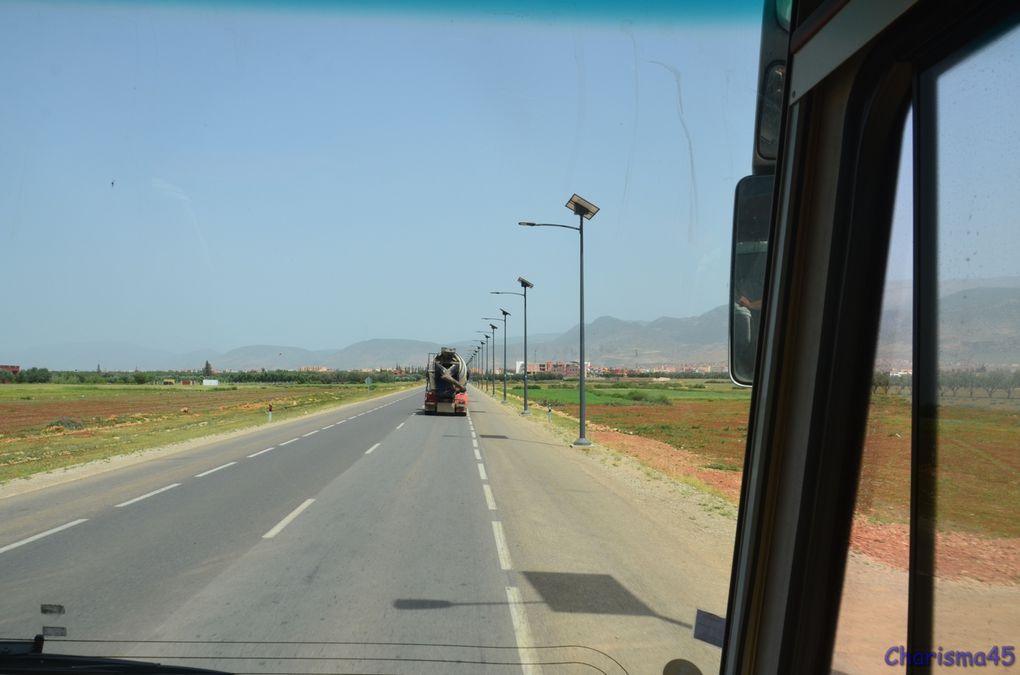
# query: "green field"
{"type": "Point", "coordinates": [49, 426]}
{"type": "Point", "coordinates": [979, 444]}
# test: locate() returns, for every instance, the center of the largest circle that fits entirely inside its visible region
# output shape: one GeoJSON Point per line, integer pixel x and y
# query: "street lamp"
{"type": "Point", "coordinates": [493, 327]}
{"type": "Point", "coordinates": [485, 354]}
{"type": "Point", "coordinates": [584, 210]}
{"type": "Point", "coordinates": [503, 319]}
{"type": "Point", "coordinates": [525, 284]}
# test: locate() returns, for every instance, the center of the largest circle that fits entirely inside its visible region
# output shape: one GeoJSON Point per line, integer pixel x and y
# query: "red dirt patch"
{"type": "Point", "coordinates": [958, 555]}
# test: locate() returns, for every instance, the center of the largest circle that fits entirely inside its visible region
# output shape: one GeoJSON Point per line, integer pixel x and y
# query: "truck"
{"type": "Point", "coordinates": [446, 378]}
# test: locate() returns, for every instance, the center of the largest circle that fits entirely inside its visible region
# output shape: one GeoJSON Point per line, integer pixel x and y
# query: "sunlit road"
{"type": "Point", "coordinates": [382, 540]}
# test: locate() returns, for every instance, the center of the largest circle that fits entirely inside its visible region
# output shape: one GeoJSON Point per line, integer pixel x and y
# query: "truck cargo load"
{"type": "Point", "coordinates": [446, 383]}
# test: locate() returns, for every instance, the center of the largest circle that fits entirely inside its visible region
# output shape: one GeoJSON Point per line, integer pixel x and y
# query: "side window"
{"type": "Point", "coordinates": [934, 565]}
{"type": "Point", "coordinates": [972, 489]}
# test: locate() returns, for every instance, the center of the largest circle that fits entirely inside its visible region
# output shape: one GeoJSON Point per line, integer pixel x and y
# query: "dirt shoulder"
{"type": "Point", "coordinates": [959, 555]}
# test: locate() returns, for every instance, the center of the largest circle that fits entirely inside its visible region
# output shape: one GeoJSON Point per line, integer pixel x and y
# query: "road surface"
{"type": "Point", "coordinates": [371, 539]}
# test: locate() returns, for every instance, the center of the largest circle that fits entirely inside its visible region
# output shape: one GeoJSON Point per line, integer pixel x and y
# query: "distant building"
{"type": "Point", "coordinates": [13, 370]}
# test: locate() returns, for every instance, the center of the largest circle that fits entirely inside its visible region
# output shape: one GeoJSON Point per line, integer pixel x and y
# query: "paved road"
{"type": "Point", "coordinates": [382, 540]}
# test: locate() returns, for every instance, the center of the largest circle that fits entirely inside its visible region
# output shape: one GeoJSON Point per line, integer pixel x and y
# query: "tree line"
{"type": "Point", "coordinates": [952, 382]}
{"type": "Point", "coordinates": [44, 375]}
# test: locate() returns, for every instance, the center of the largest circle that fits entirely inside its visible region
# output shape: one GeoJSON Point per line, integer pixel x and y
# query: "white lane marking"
{"type": "Point", "coordinates": [522, 632]}
{"type": "Point", "coordinates": [473, 434]}
{"type": "Point", "coordinates": [288, 442]}
{"type": "Point", "coordinates": [256, 454]}
{"type": "Point", "coordinates": [328, 426]}
{"type": "Point", "coordinates": [490, 501]}
{"type": "Point", "coordinates": [400, 425]}
{"type": "Point", "coordinates": [501, 548]}
{"type": "Point", "coordinates": [369, 451]}
{"type": "Point", "coordinates": [341, 421]}
{"type": "Point", "coordinates": [478, 455]}
{"type": "Point", "coordinates": [481, 471]}
{"type": "Point", "coordinates": [313, 431]}
{"type": "Point", "coordinates": [474, 442]}
{"type": "Point", "coordinates": [206, 473]}
{"type": "Point", "coordinates": [287, 521]}
{"type": "Point", "coordinates": [146, 495]}
{"type": "Point", "coordinates": [37, 537]}
{"type": "Point", "coordinates": [351, 417]}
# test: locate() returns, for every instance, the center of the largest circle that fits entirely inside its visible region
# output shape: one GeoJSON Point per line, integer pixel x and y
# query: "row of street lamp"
{"type": "Point", "coordinates": [584, 210]}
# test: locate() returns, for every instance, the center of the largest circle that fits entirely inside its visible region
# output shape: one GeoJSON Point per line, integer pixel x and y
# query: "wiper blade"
{"type": "Point", "coordinates": [17, 658]}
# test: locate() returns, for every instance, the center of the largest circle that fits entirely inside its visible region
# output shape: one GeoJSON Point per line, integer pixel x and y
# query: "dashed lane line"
{"type": "Point", "coordinates": [481, 471]}
{"type": "Point", "coordinates": [490, 501]}
{"type": "Point", "coordinates": [146, 495]}
{"type": "Point", "coordinates": [288, 520]}
{"type": "Point", "coordinates": [369, 451]}
{"type": "Point", "coordinates": [222, 466]}
{"type": "Point", "coordinates": [501, 548]}
{"type": "Point", "coordinates": [522, 632]}
{"type": "Point", "coordinates": [37, 537]}
{"type": "Point", "coordinates": [260, 452]}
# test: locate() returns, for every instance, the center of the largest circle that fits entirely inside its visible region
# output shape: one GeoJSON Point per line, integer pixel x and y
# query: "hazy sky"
{"type": "Point", "coordinates": [183, 177]}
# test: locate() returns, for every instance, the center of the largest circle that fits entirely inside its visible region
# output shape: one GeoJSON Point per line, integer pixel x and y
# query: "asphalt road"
{"type": "Point", "coordinates": [371, 539]}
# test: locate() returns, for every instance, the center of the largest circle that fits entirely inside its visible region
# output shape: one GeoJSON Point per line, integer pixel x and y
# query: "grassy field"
{"type": "Point", "coordinates": [48, 426]}
{"type": "Point", "coordinates": [979, 444]}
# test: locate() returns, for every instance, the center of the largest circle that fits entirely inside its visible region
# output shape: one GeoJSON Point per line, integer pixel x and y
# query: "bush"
{"type": "Point", "coordinates": [34, 375]}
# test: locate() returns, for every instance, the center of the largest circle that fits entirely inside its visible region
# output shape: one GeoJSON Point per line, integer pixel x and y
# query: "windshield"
{"type": "Point", "coordinates": [286, 385]}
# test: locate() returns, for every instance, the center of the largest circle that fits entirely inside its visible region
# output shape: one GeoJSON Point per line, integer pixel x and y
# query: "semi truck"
{"type": "Point", "coordinates": [446, 383]}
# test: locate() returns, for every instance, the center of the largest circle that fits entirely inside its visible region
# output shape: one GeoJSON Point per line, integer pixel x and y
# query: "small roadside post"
{"type": "Point", "coordinates": [270, 412]}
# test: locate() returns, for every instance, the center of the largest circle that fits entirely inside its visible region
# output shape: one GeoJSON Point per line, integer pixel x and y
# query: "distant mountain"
{"type": "Point", "coordinates": [105, 355]}
{"type": "Point", "coordinates": [665, 341]}
{"type": "Point", "coordinates": [381, 353]}
{"type": "Point", "coordinates": [270, 357]}
{"type": "Point", "coordinates": [979, 325]}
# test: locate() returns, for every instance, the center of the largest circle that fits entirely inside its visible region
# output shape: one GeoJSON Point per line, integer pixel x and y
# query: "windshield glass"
{"type": "Point", "coordinates": [285, 384]}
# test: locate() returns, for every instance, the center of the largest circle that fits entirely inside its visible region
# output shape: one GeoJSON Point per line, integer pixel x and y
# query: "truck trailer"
{"type": "Point", "coordinates": [446, 383]}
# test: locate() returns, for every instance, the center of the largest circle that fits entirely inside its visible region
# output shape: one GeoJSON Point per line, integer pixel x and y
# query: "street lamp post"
{"type": "Point", "coordinates": [584, 210]}
{"type": "Point", "coordinates": [493, 361]}
{"type": "Point", "coordinates": [525, 284]}
{"type": "Point", "coordinates": [503, 319]}
{"type": "Point", "coordinates": [485, 354]}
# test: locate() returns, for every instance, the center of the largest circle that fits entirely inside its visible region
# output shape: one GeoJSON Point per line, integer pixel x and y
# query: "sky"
{"type": "Point", "coordinates": [183, 177]}
{"type": "Point", "coordinates": [188, 176]}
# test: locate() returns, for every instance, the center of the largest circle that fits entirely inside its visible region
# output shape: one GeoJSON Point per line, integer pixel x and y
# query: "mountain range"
{"type": "Point", "coordinates": [978, 326]}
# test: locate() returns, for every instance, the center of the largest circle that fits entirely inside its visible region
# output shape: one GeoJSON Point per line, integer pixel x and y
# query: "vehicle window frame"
{"type": "Point", "coordinates": [797, 504]}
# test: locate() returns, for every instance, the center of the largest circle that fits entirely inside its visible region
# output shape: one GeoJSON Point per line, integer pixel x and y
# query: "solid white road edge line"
{"type": "Point", "coordinates": [490, 501]}
{"type": "Point", "coordinates": [522, 632]}
{"type": "Point", "coordinates": [37, 537]}
{"type": "Point", "coordinates": [501, 548]}
{"type": "Point", "coordinates": [369, 451]}
{"type": "Point", "coordinates": [206, 473]}
{"type": "Point", "coordinates": [287, 521]}
{"type": "Point", "coordinates": [146, 495]}
{"type": "Point", "coordinates": [260, 452]}
{"type": "Point", "coordinates": [481, 471]}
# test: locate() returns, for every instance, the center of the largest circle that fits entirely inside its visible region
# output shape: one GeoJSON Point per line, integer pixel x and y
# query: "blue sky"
{"type": "Point", "coordinates": [325, 176]}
